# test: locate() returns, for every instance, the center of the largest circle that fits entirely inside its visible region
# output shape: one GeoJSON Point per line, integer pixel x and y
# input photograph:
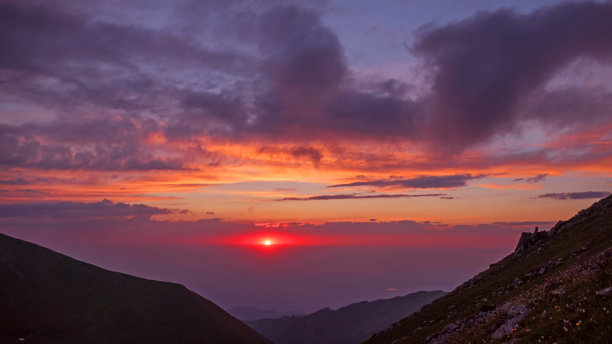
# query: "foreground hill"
{"type": "Point", "coordinates": [46, 297]}
{"type": "Point", "coordinates": [555, 288]}
{"type": "Point", "coordinates": [351, 324]}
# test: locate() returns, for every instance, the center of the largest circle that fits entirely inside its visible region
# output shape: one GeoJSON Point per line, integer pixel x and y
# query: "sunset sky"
{"type": "Point", "coordinates": [382, 147]}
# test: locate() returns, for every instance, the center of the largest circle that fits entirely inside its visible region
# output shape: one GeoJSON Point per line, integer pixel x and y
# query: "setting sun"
{"type": "Point", "coordinates": [267, 242]}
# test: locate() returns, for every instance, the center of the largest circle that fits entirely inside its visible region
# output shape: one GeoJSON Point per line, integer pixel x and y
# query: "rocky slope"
{"type": "Point", "coordinates": [350, 324]}
{"type": "Point", "coordinates": [46, 297]}
{"type": "Point", "coordinates": [555, 288]}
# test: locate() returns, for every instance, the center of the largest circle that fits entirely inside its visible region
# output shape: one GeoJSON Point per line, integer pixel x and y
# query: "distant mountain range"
{"type": "Point", "coordinates": [254, 313]}
{"type": "Point", "coordinates": [47, 297]}
{"type": "Point", "coordinates": [555, 288]}
{"type": "Point", "coordinates": [347, 325]}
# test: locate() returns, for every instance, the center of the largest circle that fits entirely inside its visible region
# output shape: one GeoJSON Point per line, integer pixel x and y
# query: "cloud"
{"type": "Point", "coordinates": [16, 181]}
{"type": "Point", "coordinates": [486, 64]}
{"type": "Point", "coordinates": [275, 74]}
{"type": "Point", "coordinates": [425, 182]}
{"type": "Point", "coordinates": [535, 179]}
{"type": "Point", "coordinates": [575, 195]}
{"type": "Point", "coordinates": [72, 211]}
{"type": "Point", "coordinates": [301, 55]}
{"type": "Point", "coordinates": [313, 154]}
{"type": "Point", "coordinates": [354, 196]}
{"type": "Point", "coordinates": [86, 144]}
{"type": "Point", "coordinates": [525, 223]}
{"type": "Point", "coordinates": [370, 115]}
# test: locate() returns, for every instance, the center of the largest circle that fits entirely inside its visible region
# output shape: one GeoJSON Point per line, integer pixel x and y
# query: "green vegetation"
{"type": "Point", "coordinates": [547, 293]}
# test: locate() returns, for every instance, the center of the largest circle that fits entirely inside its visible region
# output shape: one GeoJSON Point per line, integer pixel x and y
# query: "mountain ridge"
{"type": "Point", "coordinates": [352, 323]}
{"type": "Point", "coordinates": [556, 287]}
{"type": "Point", "coordinates": [48, 297]}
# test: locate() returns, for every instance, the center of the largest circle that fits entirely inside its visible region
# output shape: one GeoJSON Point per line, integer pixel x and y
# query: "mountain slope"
{"type": "Point", "coordinates": [350, 324]}
{"type": "Point", "coordinates": [555, 288]}
{"type": "Point", "coordinates": [47, 297]}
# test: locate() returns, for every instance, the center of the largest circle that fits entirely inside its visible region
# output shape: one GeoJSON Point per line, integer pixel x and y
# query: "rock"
{"type": "Point", "coordinates": [516, 313]}
{"type": "Point", "coordinates": [559, 291]}
{"type": "Point", "coordinates": [604, 291]}
{"type": "Point", "coordinates": [530, 239]}
{"type": "Point", "coordinates": [515, 284]}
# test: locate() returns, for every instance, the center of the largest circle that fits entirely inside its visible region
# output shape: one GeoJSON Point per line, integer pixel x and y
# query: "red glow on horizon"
{"type": "Point", "coordinates": [268, 239]}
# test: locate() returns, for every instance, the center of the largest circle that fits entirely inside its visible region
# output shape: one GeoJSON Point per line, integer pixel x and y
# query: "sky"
{"type": "Point", "coordinates": [380, 147]}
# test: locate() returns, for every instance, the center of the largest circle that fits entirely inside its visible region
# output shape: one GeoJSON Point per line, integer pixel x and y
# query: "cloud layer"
{"type": "Point", "coordinates": [130, 95]}
{"type": "Point", "coordinates": [425, 182]}
{"type": "Point", "coordinates": [575, 195]}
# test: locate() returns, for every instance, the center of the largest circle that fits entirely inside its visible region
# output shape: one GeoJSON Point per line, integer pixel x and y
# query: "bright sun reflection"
{"type": "Point", "coordinates": [267, 242]}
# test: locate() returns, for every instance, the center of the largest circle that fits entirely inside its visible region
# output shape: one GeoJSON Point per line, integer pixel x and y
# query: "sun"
{"type": "Point", "coordinates": [268, 242]}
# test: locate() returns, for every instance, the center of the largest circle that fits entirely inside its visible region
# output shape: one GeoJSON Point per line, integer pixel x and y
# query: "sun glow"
{"type": "Point", "coordinates": [267, 242]}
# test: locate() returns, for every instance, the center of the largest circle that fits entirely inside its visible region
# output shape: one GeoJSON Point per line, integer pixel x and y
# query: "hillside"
{"type": "Point", "coordinates": [555, 288]}
{"type": "Point", "coordinates": [350, 324]}
{"type": "Point", "coordinates": [47, 297]}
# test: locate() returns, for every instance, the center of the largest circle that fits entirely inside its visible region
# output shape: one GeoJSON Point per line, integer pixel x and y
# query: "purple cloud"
{"type": "Point", "coordinates": [426, 182]}
{"type": "Point", "coordinates": [525, 223]}
{"type": "Point", "coordinates": [76, 210]}
{"type": "Point", "coordinates": [487, 63]}
{"type": "Point", "coordinates": [354, 196]}
{"type": "Point", "coordinates": [535, 179]}
{"type": "Point", "coordinates": [275, 73]}
{"type": "Point", "coordinates": [575, 195]}
{"type": "Point", "coordinates": [16, 181]}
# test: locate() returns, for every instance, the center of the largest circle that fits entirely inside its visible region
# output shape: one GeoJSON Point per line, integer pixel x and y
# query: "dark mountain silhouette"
{"type": "Point", "coordinates": [350, 324]}
{"type": "Point", "coordinates": [254, 313]}
{"type": "Point", "coordinates": [555, 288]}
{"type": "Point", "coordinates": [47, 297]}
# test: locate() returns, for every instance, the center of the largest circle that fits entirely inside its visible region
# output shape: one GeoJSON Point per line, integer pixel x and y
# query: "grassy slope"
{"type": "Point", "coordinates": [350, 324]}
{"type": "Point", "coordinates": [562, 305]}
{"type": "Point", "coordinates": [46, 297]}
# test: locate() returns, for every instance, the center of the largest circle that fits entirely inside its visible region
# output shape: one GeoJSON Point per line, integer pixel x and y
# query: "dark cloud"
{"type": "Point", "coordinates": [354, 196]}
{"type": "Point", "coordinates": [576, 195]}
{"type": "Point", "coordinates": [16, 181]}
{"type": "Point", "coordinates": [244, 71]}
{"type": "Point", "coordinates": [23, 193]}
{"type": "Point", "coordinates": [535, 179]}
{"type": "Point", "coordinates": [299, 152]}
{"type": "Point", "coordinates": [42, 38]}
{"type": "Point", "coordinates": [75, 210]}
{"type": "Point", "coordinates": [486, 64]}
{"type": "Point", "coordinates": [368, 114]}
{"type": "Point", "coordinates": [394, 87]}
{"type": "Point", "coordinates": [426, 182]}
{"type": "Point", "coordinates": [313, 154]}
{"type": "Point", "coordinates": [301, 55]}
{"type": "Point", "coordinates": [303, 66]}
{"type": "Point", "coordinates": [88, 145]}
{"type": "Point", "coordinates": [525, 223]}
